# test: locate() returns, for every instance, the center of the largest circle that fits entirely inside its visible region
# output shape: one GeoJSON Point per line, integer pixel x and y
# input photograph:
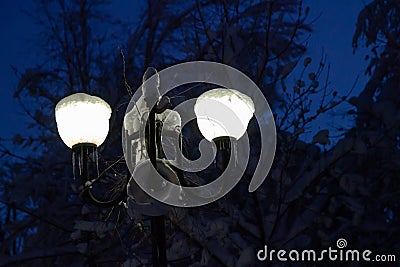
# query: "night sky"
{"type": "Point", "coordinates": [333, 32]}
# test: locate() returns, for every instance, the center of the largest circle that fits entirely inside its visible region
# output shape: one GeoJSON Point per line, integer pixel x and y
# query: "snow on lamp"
{"type": "Point", "coordinates": [82, 118]}
{"type": "Point", "coordinates": [223, 112]}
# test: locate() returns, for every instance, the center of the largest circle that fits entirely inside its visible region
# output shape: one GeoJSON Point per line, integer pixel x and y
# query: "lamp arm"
{"type": "Point", "coordinates": [87, 193]}
{"type": "Point", "coordinates": [89, 198]}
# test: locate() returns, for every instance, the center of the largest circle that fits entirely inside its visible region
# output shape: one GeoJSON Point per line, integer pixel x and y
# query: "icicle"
{"type": "Point", "coordinates": [234, 147]}
{"type": "Point", "coordinates": [96, 159]}
{"type": "Point", "coordinates": [79, 163]}
{"type": "Point", "coordinates": [73, 164]}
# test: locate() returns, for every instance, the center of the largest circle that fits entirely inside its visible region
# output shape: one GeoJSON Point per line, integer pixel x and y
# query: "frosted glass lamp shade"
{"type": "Point", "coordinates": [223, 112]}
{"type": "Point", "coordinates": [82, 118]}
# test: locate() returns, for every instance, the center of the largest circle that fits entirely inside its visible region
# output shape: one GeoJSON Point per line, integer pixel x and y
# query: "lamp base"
{"type": "Point", "coordinates": [88, 146]}
{"type": "Point", "coordinates": [224, 146]}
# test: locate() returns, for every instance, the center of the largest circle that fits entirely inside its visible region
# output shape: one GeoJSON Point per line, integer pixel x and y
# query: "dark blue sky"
{"type": "Point", "coordinates": [16, 31]}
{"type": "Point", "coordinates": [333, 32]}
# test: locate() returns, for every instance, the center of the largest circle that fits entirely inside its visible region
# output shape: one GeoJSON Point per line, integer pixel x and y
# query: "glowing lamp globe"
{"type": "Point", "coordinates": [82, 118]}
{"type": "Point", "coordinates": [223, 112]}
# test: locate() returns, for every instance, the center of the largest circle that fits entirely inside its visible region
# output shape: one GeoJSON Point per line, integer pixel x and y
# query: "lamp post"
{"type": "Point", "coordinates": [222, 117]}
{"type": "Point", "coordinates": [83, 123]}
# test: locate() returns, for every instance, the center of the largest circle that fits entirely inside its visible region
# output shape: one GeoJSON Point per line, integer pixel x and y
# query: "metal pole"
{"type": "Point", "coordinates": [157, 222]}
{"type": "Point", "coordinates": [158, 241]}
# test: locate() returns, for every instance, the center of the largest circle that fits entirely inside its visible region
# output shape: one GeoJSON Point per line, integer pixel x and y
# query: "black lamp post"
{"type": "Point", "coordinates": [83, 124]}
{"type": "Point", "coordinates": [77, 132]}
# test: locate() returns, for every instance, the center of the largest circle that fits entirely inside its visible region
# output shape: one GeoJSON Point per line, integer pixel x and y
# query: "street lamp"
{"type": "Point", "coordinates": [223, 112]}
{"type": "Point", "coordinates": [222, 116]}
{"type": "Point", "coordinates": [83, 123]}
{"type": "Point", "coordinates": [82, 118]}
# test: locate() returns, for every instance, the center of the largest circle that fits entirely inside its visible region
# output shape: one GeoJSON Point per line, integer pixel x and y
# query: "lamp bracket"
{"type": "Point", "coordinates": [84, 150]}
